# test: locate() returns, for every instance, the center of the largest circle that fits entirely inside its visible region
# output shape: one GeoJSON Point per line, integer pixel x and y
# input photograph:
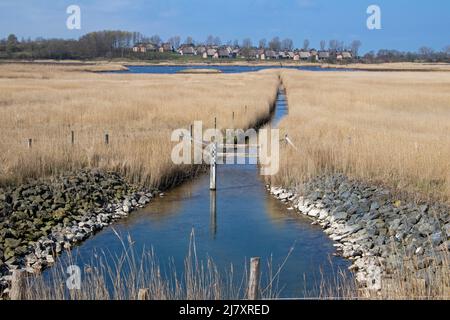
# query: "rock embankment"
{"type": "Point", "coordinates": [42, 218]}
{"type": "Point", "coordinates": [372, 228]}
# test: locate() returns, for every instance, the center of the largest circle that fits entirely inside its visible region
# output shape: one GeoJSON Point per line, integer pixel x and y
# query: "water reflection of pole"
{"type": "Point", "coordinates": [213, 213]}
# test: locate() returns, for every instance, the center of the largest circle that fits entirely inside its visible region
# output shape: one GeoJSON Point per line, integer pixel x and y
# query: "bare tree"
{"type": "Point", "coordinates": [447, 50]}
{"type": "Point", "coordinates": [247, 43]}
{"type": "Point", "coordinates": [210, 40]}
{"type": "Point", "coordinates": [155, 39]}
{"type": "Point", "coordinates": [306, 45]}
{"type": "Point", "coordinates": [287, 44]}
{"type": "Point", "coordinates": [189, 40]}
{"type": "Point", "coordinates": [275, 44]}
{"type": "Point", "coordinates": [332, 45]}
{"type": "Point", "coordinates": [426, 52]}
{"type": "Point", "coordinates": [175, 42]}
{"type": "Point", "coordinates": [236, 43]}
{"type": "Point", "coordinates": [355, 46]}
{"type": "Point", "coordinates": [12, 43]}
{"type": "Point", "coordinates": [262, 43]}
{"type": "Point", "coordinates": [217, 41]}
{"type": "Point", "coordinates": [323, 45]}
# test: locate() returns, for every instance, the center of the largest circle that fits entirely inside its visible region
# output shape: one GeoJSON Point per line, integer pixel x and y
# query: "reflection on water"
{"type": "Point", "coordinates": [213, 213]}
{"type": "Point", "coordinates": [237, 222]}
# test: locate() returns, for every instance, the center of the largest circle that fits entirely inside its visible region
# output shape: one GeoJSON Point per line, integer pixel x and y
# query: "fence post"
{"type": "Point", "coordinates": [73, 137]}
{"type": "Point", "coordinates": [30, 143]}
{"type": "Point", "coordinates": [255, 275]}
{"type": "Point", "coordinates": [143, 294]}
{"type": "Point", "coordinates": [233, 119]}
{"type": "Point", "coordinates": [107, 139]}
{"type": "Point", "coordinates": [17, 285]}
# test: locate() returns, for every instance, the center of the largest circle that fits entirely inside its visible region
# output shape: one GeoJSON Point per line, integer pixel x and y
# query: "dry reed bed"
{"type": "Point", "coordinates": [392, 128]}
{"type": "Point", "coordinates": [139, 112]}
{"type": "Point", "coordinates": [394, 66]}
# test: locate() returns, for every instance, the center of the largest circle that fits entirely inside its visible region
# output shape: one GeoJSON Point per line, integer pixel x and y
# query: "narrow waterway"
{"type": "Point", "coordinates": [239, 221]}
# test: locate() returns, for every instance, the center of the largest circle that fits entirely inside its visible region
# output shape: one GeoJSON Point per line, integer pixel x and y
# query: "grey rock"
{"type": "Point", "coordinates": [339, 216]}
{"type": "Point", "coordinates": [436, 238]}
{"type": "Point", "coordinates": [374, 206]}
{"type": "Point", "coordinates": [143, 200]}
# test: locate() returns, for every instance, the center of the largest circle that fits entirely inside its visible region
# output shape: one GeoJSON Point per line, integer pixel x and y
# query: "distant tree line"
{"type": "Point", "coordinates": [118, 44]}
{"type": "Point", "coordinates": [424, 54]}
{"type": "Point", "coordinates": [104, 44]}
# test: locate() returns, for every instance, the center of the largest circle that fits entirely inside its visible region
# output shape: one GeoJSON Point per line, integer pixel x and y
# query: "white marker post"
{"type": "Point", "coordinates": [213, 167]}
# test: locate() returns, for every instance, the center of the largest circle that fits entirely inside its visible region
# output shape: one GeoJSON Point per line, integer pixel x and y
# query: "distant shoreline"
{"type": "Point", "coordinates": [122, 65]}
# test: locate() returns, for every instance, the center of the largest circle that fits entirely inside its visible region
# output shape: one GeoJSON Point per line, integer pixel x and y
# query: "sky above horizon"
{"type": "Point", "coordinates": [406, 25]}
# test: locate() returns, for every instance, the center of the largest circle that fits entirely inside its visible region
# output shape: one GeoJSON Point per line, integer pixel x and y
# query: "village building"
{"type": "Point", "coordinates": [304, 55]}
{"type": "Point", "coordinates": [210, 53]}
{"type": "Point", "coordinates": [235, 53]}
{"type": "Point", "coordinates": [201, 50]}
{"type": "Point", "coordinates": [151, 47]}
{"type": "Point", "coordinates": [347, 55]}
{"type": "Point", "coordinates": [282, 55]}
{"type": "Point", "coordinates": [224, 53]}
{"type": "Point", "coordinates": [166, 47]}
{"type": "Point", "coordinates": [187, 51]}
{"type": "Point", "coordinates": [270, 54]}
{"type": "Point", "coordinates": [324, 55]}
{"type": "Point", "coordinates": [139, 48]}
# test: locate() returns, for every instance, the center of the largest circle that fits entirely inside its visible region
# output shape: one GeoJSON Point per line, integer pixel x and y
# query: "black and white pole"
{"type": "Point", "coordinates": [213, 167]}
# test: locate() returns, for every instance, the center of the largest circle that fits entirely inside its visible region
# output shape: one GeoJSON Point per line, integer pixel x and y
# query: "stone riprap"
{"type": "Point", "coordinates": [40, 219]}
{"type": "Point", "coordinates": [371, 227]}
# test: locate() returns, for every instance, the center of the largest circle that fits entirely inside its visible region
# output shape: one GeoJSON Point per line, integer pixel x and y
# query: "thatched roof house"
{"type": "Point", "coordinates": [224, 53]}
{"type": "Point", "coordinates": [323, 55]}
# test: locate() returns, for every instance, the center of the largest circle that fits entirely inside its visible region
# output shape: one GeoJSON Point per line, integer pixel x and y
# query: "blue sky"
{"type": "Point", "coordinates": [406, 24]}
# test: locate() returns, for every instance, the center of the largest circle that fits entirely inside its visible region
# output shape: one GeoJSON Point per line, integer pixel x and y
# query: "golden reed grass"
{"type": "Point", "coordinates": [394, 66]}
{"type": "Point", "coordinates": [390, 128]}
{"type": "Point", "coordinates": [46, 103]}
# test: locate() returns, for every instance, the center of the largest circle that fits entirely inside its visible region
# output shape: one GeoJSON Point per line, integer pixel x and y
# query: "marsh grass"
{"type": "Point", "coordinates": [389, 128]}
{"type": "Point", "coordinates": [138, 112]}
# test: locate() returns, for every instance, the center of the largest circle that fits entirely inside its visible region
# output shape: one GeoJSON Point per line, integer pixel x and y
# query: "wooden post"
{"type": "Point", "coordinates": [213, 167]}
{"type": "Point", "coordinates": [233, 119]}
{"type": "Point", "coordinates": [30, 143]}
{"type": "Point", "coordinates": [215, 123]}
{"type": "Point", "coordinates": [73, 137]}
{"type": "Point", "coordinates": [18, 285]}
{"type": "Point", "coordinates": [192, 131]}
{"type": "Point", "coordinates": [255, 275]}
{"type": "Point", "coordinates": [107, 139]}
{"type": "Point", "coordinates": [143, 294]}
